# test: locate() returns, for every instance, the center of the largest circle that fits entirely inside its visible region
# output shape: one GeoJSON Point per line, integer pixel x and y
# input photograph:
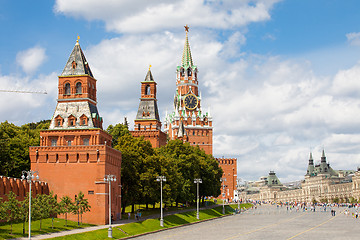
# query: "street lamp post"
{"type": "Point", "coordinates": [110, 178]}
{"type": "Point", "coordinates": [30, 175]}
{"type": "Point", "coordinates": [238, 181]}
{"type": "Point", "coordinates": [197, 181]}
{"type": "Point", "coordinates": [161, 179]}
{"type": "Point", "coordinates": [223, 180]}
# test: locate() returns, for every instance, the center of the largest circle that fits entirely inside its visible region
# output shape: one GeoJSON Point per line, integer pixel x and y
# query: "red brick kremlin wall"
{"type": "Point", "coordinates": [21, 187]}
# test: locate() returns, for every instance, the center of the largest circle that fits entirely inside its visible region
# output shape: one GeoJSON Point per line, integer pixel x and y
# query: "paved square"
{"type": "Point", "coordinates": [270, 223]}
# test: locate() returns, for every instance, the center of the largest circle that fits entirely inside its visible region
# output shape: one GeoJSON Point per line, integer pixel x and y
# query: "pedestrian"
{"type": "Point", "coordinates": [129, 215]}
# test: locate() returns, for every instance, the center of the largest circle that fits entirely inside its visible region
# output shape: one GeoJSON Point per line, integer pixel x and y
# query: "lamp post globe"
{"type": "Point", "coordinates": [161, 179]}
{"type": "Point", "coordinates": [29, 176]}
{"type": "Point", "coordinates": [197, 181]}
{"type": "Point", "coordinates": [108, 179]}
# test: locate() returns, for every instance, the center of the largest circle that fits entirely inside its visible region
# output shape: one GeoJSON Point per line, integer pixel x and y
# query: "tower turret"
{"type": "Point", "coordinates": [76, 107]}
{"type": "Point", "coordinates": [324, 168]}
{"type": "Point", "coordinates": [310, 170]}
{"type": "Point", "coordinates": [147, 122]}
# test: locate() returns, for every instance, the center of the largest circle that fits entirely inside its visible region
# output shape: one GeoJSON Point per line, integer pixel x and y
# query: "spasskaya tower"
{"type": "Point", "coordinates": [188, 122]}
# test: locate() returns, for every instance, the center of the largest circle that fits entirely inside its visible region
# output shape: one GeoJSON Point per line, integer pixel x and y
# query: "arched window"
{"type": "Point", "coordinates": [147, 90]}
{"type": "Point", "coordinates": [67, 89]}
{"type": "Point", "coordinates": [182, 72]}
{"type": "Point", "coordinates": [189, 72]}
{"type": "Point", "coordinates": [78, 87]}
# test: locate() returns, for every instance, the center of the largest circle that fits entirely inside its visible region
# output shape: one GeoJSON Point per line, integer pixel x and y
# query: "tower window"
{"type": "Point", "coordinates": [182, 72]}
{"type": "Point", "coordinates": [189, 72]}
{"type": "Point", "coordinates": [86, 141]}
{"type": "Point", "coordinates": [58, 123]}
{"type": "Point", "coordinates": [69, 143]}
{"type": "Point", "coordinates": [139, 126]}
{"type": "Point", "coordinates": [67, 89]}
{"type": "Point", "coordinates": [78, 88]}
{"type": "Point", "coordinates": [147, 90]}
{"type": "Point", "coordinates": [73, 64]}
{"type": "Point", "coordinates": [53, 142]}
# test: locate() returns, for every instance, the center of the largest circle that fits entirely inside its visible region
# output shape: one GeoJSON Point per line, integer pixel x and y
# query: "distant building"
{"type": "Point", "coordinates": [321, 183]}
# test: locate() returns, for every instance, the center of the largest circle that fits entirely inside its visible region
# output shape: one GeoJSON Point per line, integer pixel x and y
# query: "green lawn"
{"type": "Point", "coordinates": [151, 211]}
{"type": "Point", "coordinates": [59, 225]}
{"type": "Point", "coordinates": [153, 224]}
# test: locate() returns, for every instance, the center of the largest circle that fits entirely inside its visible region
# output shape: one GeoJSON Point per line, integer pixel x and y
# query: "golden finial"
{"type": "Point", "coordinates": [186, 28]}
{"type": "Point", "coordinates": [78, 38]}
{"type": "Point", "coordinates": [150, 67]}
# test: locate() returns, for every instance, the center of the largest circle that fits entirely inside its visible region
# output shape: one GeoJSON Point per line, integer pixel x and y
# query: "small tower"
{"type": "Point", "coordinates": [147, 122]}
{"type": "Point", "coordinates": [323, 165]}
{"type": "Point", "coordinates": [75, 153]}
{"type": "Point", "coordinates": [310, 170]}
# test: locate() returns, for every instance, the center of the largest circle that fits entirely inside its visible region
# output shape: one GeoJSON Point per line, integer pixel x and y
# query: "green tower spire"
{"type": "Point", "coordinates": [186, 58]}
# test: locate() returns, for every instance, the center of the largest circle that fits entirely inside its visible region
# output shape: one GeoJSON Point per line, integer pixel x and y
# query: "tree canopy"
{"type": "Point", "coordinates": [14, 146]}
{"type": "Point", "coordinates": [179, 162]}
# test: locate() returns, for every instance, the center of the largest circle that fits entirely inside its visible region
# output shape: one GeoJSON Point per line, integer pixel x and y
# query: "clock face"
{"type": "Point", "coordinates": [190, 102]}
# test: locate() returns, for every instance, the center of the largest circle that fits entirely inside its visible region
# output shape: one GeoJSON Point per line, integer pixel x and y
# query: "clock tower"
{"type": "Point", "coordinates": [188, 119]}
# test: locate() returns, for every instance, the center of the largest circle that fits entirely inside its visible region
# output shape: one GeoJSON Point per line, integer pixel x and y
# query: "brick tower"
{"type": "Point", "coordinates": [75, 153]}
{"type": "Point", "coordinates": [188, 121]}
{"type": "Point", "coordinates": [147, 122]}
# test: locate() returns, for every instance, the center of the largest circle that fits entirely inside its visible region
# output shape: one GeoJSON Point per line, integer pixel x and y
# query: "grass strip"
{"type": "Point", "coordinates": [59, 225]}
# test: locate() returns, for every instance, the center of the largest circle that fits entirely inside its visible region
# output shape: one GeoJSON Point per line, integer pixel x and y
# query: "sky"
{"type": "Point", "coordinates": [281, 77]}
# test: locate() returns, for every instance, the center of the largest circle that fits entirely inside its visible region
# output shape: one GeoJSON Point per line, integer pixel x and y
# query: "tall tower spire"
{"type": "Point", "coordinates": [188, 116]}
{"type": "Point", "coordinates": [186, 58]}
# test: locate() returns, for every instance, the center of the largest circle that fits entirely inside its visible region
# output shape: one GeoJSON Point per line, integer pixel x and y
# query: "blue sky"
{"type": "Point", "coordinates": [280, 76]}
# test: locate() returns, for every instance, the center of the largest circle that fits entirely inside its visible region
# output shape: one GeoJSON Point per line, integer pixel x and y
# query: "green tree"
{"type": "Point", "coordinates": [12, 209]}
{"type": "Point", "coordinates": [14, 146]}
{"type": "Point", "coordinates": [40, 207]}
{"type": "Point", "coordinates": [54, 207]}
{"type": "Point", "coordinates": [134, 151]}
{"type": "Point", "coordinates": [67, 206]}
{"type": "Point", "coordinates": [2, 210]}
{"type": "Point", "coordinates": [117, 131]}
{"type": "Point", "coordinates": [81, 205]}
{"type": "Point", "coordinates": [186, 163]}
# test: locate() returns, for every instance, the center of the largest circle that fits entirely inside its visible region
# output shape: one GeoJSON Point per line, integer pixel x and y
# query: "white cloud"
{"type": "Point", "coordinates": [267, 112]}
{"type": "Point", "coordinates": [21, 108]}
{"type": "Point", "coordinates": [31, 59]}
{"type": "Point", "coordinates": [353, 38]}
{"type": "Point", "coordinates": [145, 16]}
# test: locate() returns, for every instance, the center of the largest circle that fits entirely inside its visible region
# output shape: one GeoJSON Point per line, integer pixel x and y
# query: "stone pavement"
{"type": "Point", "coordinates": [270, 223]}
